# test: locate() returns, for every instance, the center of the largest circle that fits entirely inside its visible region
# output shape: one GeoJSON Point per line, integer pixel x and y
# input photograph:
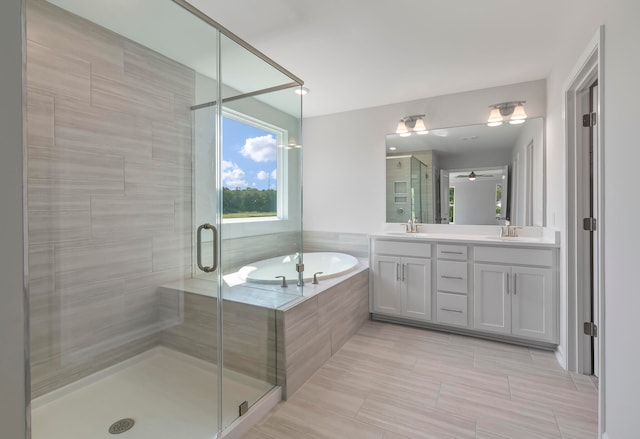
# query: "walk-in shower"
{"type": "Point", "coordinates": [164, 154]}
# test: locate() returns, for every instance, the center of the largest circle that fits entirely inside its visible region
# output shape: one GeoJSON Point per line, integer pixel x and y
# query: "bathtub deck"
{"type": "Point", "coordinates": [263, 295]}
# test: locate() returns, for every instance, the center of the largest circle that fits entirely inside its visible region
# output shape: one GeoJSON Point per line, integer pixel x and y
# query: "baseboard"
{"type": "Point", "coordinates": [560, 358]}
{"type": "Point", "coordinates": [259, 410]}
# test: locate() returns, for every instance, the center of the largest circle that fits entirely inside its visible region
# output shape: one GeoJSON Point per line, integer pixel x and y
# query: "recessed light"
{"type": "Point", "coordinates": [392, 148]}
{"type": "Point", "coordinates": [301, 91]}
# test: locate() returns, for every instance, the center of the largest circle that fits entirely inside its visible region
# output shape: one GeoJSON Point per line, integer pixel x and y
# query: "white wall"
{"type": "Point", "coordinates": [531, 133]}
{"type": "Point", "coordinates": [12, 334]}
{"type": "Point", "coordinates": [344, 153]}
{"type": "Point", "coordinates": [621, 157]}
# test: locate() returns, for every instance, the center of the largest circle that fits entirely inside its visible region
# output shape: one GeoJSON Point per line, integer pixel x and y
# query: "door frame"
{"type": "Point", "coordinates": [588, 69]}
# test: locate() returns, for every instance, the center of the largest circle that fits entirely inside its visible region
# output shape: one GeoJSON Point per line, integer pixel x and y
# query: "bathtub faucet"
{"type": "Point", "coordinates": [284, 281]}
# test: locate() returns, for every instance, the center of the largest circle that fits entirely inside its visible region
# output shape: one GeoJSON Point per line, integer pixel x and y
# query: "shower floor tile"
{"type": "Point", "coordinates": [168, 394]}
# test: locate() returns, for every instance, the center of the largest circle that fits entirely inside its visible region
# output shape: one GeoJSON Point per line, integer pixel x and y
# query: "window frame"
{"type": "Point", "coordinates": [282, 140]}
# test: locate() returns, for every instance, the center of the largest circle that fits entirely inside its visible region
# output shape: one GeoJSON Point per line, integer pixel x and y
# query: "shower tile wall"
{"type": "Point", "coordinates": [109, 194]}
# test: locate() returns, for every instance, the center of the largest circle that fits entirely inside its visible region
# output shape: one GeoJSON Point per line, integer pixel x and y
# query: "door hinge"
{"type": "Point", "coordinates": [243, 408]}
{"type": "Point", "coordinates": [589, 224]}
{"type": "Point", "coordinates": [590, 329]}
{"type": "Point", "coordinates": [589, 120]}
{"type": "Point", "coordinates": [299, 268]}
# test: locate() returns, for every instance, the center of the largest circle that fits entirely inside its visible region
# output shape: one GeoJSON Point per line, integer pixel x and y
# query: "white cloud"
{"type": "Point", "coordinates": [262, 175]}
{"type": "Point", "coordinates": [274, 174]}
{"type": "Point", "coordinates": [260, 149]}
{"type": "Point", "coordinates": [232, 175]}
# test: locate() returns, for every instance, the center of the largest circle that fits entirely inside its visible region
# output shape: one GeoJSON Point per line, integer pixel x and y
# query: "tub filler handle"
{"type": "Point", "coordinates": [284, 281]}
{"type": "Point", "coordinates": [214, 267]}
{"type": "Point", "coordinates": [315, 276]}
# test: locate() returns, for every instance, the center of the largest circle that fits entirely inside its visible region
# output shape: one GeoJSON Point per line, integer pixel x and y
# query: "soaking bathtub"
{"type": "Point", "coordinates": [329, 263]}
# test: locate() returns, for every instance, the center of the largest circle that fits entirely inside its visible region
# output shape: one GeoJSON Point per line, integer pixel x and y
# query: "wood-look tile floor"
{"type": "Point", "coordinates": [395, 382]}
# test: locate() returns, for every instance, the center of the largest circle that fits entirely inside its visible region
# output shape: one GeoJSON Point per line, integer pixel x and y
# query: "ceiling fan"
{"type": "Point", "coordinates": [472, 176]}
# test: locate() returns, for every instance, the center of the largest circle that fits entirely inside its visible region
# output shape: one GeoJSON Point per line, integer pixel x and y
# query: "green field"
{"type": "Point", "coordinates": [247, 215]}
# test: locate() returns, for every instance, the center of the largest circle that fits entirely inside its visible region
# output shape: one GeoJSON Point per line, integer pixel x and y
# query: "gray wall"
{"type": "Point", "coordinates": [109, 181]}
{"type": "Point", "coordinates": [12, 336]}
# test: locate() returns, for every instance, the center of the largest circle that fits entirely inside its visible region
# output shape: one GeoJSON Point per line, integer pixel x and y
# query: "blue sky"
{"type": "Point", "coordinates": [249, 156]}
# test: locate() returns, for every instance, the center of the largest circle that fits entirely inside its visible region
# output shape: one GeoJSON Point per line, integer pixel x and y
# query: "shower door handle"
{"type": "Point", "coordinates": [215, 248]}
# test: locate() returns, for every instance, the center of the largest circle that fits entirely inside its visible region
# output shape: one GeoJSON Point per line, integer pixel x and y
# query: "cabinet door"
{"type": "Point", "coordinates": [533, 304]}
{"type": "Point", "coordinates": [492, 298]}
{"type": "Point", "coordinates": [416, 278]}
{"type": "Point", "coordinates": [386, 285]}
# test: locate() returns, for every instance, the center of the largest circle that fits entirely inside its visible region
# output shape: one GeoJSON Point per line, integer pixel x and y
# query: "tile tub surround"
{"type": "Point", "coordinates": [109, 193]}
{"type": "Point", "coordinates": [308, 329]}
{"type": "Point", "coordinates": [318, 325]}
{"type": "Point", "coordinates": [354, 244]}
{"type": "Point", "coordinates": [399, 382]}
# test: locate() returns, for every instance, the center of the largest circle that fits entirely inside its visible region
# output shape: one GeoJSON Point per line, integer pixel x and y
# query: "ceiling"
{"type": "Point", "coordinates": [357, 54]}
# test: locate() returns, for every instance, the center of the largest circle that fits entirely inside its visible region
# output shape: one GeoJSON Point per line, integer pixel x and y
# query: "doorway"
{"type": "Point", "coordinates": [585, 293]}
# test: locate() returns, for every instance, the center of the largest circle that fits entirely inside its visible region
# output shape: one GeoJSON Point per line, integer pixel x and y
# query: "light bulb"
{"type": "Point", "coordinates": [518, 114]}
{"type": "Point", "coordinates": [419, 127]}
{"type": "Point", "coordinates": [495, 118]}
{"type": "Point", "coordinates": [402, 128]}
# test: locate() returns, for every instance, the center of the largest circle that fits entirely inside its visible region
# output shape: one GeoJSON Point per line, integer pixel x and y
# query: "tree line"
{"type": "Point", "coordinates": [249, 201]}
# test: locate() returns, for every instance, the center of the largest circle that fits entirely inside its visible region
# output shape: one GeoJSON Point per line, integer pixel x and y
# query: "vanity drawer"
{"type": "Point", "coordinates": [523, 256]}
{"type": "Point", "coordinates": [402, 248]}
{"type": "Point", "coordinates": [452, 251]}
{"type": "Point", "coordinates": [452, 276]}
{"type": "Point", "coordinates": [452, 309]}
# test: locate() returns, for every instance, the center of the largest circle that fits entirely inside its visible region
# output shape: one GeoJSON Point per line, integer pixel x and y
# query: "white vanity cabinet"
{"type": "Point", "coordinates": [401, 277]}
{"type": "Point", "coordinates": [515, 300]}
{"type": "Point", "coordinates": [505, 290]}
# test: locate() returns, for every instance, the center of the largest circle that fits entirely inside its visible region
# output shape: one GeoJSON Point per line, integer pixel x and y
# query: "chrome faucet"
{"type": "Point", "coordinates": [509, 231]}
{"type": "Point", "coordinates": [284, 281]}
{"type": "Point", "coordinates": [506, 230]}
{"type": "Point", "coordinates": [411, 226]}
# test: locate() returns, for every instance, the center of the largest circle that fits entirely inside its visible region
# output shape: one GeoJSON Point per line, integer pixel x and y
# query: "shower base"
{"type": "Point", "coordinates": [168, 394]}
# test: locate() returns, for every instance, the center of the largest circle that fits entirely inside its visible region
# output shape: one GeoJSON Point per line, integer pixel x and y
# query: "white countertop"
{"type": "Point", "coordinates": [490, 235]}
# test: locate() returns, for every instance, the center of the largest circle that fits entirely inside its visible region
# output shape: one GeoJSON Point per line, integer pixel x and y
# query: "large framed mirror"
{"type": "Point", "coordinates": [472, 174]}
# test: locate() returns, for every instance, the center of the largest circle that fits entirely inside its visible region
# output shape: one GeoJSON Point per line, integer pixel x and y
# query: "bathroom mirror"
{"type": "Point", "coordinates": [485, 174]}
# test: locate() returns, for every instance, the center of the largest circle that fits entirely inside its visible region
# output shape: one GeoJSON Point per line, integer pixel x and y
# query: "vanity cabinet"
{"type": "Point", "coordinates": [515, 300]}
{"type": "Point", "coordinates": [507, 292]}
{"type": "Point", "coordinates": [402, 284]}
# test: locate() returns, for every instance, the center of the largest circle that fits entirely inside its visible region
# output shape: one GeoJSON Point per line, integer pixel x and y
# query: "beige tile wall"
{"type": "Point", "coordinates": [317, 328]}
{"type": "Point", "coordinates": [354, 244]}
{"type": "Point", "coordinates": [109, 194]}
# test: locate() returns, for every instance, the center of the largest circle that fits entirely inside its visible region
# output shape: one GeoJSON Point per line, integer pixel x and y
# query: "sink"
{"type": "Point", "coordinates": [407, 234]}
{"type": "Point", "coordinates": [512, 238]}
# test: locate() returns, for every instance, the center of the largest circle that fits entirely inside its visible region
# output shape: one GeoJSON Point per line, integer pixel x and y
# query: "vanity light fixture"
{"type": "Point", "coordinates": [513, 110]}
{"type": "Point", "coordinates": [411, 124]}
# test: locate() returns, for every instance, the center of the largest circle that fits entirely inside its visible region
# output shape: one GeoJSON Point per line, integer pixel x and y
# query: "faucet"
{"type": "Point", "coordinates": [284, 281]}
{"type": "Point", "coordinates": [506, 231]}
{"type": "Point", "coordinates": [509, 231]}
{"type": "Point", "coordinates": [315, 277]}
{"type": "Point", "coordinates": [411, 226]}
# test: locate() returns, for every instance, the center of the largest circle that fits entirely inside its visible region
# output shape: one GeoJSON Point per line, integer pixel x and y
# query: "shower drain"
{"type": "Point", "coordinates": [121, 426]}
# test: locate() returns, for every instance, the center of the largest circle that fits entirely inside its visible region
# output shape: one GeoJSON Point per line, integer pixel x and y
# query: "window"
{"type": "Point", "coordinates": [252, 166]}
{"type": "Point", "coordinates": [499, 201]}
{"type": "Point", "coordinates": [452, 202]}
